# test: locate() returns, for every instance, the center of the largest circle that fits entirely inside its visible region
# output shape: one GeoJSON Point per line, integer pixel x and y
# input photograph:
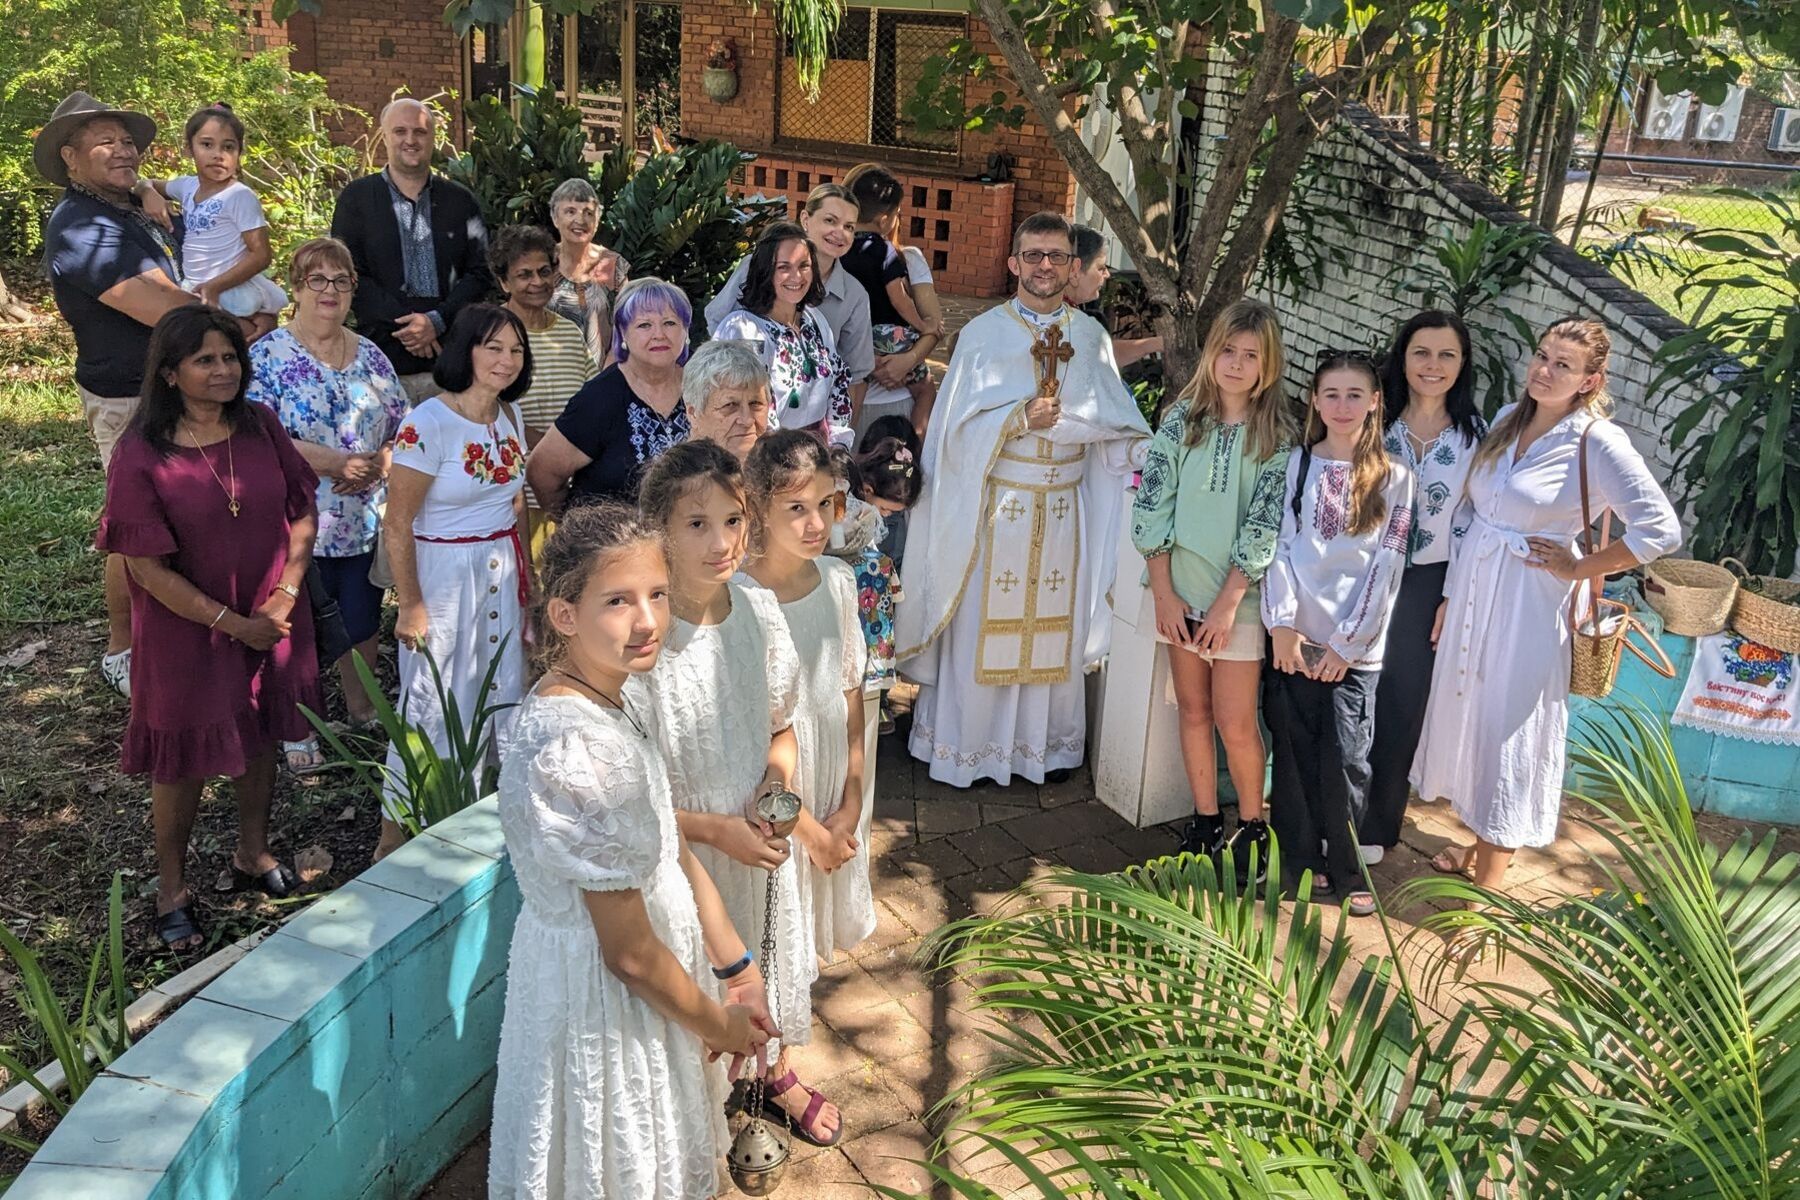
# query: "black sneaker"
{"type": "Point", "coordinates": [1253, 833]}
{"type": "Point", "coordinates": [1204, 834]}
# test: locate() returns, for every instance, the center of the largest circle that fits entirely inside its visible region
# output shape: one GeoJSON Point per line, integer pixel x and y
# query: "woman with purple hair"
{"type": "Point", "coordinates": [628, 414]}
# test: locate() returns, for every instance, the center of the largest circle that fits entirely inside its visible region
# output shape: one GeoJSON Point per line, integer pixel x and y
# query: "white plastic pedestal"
{"type": "Point", "coordinates": [1137, 761]}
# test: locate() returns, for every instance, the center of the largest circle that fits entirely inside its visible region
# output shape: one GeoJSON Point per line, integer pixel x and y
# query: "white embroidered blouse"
{"type": "Point", "coordinates": [1440, 478]}
{"type": "Point", "coordinates": [1337, 588]}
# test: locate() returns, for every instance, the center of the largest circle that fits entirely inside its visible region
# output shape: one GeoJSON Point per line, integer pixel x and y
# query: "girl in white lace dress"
{"type": "Point", "coordinates": [728, 662]}
{"type": "Point", "coordinates": [793, 502]}
{"type": "Point", "coordinates": [604, 1087]}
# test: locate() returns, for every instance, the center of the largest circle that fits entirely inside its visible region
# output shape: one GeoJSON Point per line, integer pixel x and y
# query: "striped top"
{"type": "Point", "coordinates": [560, 364]}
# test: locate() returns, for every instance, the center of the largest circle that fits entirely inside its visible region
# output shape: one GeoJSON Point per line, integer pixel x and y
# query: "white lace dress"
{"type": "Point", "coordinates": [828, 636]}
{"type": "Point", "coordinates": [721, 693]}
{"type": "Point", "coordinates": [597, 1095]}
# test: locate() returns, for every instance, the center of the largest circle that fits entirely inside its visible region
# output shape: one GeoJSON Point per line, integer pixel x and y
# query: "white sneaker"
{"type": "Point", "coordinates": [1372, 854]}
{"type": "Point", "coordinates": [116, 670]}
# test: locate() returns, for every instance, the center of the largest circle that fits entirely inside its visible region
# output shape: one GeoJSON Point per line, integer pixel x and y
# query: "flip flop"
{"type": "Point", "coordinates": [1454, 860]}
{"type": "Point", "coordinates": [1360, 903]}
{"type": "Point", "coordinates": [801, 1128]}
{"type": "Point", "coordinates": [278, 881]}
{"type": "Point", "coordinates": [178, 925]}
{"type": "Point", "coordinates": [304, 757]}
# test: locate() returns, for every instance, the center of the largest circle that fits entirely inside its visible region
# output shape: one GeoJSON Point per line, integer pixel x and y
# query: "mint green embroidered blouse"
{"type": "Point", "coordinates": [1209, 508]}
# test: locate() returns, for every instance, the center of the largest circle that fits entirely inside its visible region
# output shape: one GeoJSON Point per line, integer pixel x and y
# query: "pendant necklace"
{"type": "Point", "coordinates": [577, 680]}
{"type": "Point", "coordinates": [231, 469]}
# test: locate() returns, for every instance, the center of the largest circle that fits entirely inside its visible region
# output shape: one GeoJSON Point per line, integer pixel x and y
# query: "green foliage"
{"type": "Point", "coordinates": [1165, 1034]}
{"type": "Point", "coordinates": [673, 215]}
{"type": "Point", "coordinates": [1738, 446]}
{"type": "Point", "coordinates": [429, 785]}
{"type": "Point", "coordinates": [166, 58]}
{"type": "Point", "coordinates": [84, 1046]}
{"type": "Point", "coordinates": [513, 164]}
{"type": "Point", "coordinates": [1469, 276]}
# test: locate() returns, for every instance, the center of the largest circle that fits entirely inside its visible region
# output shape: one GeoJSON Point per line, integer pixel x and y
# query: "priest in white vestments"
{"type": "Point", "coordinates": [1010, 552]}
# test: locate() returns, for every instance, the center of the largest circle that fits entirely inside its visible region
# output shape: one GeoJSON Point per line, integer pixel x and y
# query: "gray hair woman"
{"type": "Point", "coordinates": [588, 275]}
{"type": "Point", "coordinates": [725, 389]}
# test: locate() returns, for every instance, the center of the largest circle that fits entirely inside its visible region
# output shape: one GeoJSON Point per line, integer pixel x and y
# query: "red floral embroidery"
{"type": "Point", "coordinates": [408, 438]}
{"type": "Point", "coordinates": [482, 466]}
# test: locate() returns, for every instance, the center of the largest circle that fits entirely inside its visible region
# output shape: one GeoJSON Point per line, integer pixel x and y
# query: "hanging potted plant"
{"type": "Point", "coordinates": [719, 79]}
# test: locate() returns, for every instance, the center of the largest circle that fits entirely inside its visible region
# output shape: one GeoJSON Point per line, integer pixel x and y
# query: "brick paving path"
{"type": "Point", "coordinates": [890, 1042]}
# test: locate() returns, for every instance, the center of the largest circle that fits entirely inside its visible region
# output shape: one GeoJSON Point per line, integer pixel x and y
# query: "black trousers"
{"type": "Point", "coordinates": [1400, 701]}
{"type": "Point", "coordinates": [1321, 734]}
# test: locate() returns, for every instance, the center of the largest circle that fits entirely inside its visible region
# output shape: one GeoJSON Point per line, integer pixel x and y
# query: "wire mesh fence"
{"type": "Point", "coordinates": [1646, 218]}
{"type": "Point", "coordinates": [878, 57]}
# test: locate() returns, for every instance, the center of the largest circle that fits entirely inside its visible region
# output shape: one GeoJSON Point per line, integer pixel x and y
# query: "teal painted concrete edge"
{"type": "Point", "coordinates": [1727, 776]}
{"type": "Point", "coordinates": [349, 1055]}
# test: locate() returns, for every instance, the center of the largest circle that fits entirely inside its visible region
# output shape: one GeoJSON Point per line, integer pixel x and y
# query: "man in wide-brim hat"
{"type": "Point", "coordinates": [113, 273]}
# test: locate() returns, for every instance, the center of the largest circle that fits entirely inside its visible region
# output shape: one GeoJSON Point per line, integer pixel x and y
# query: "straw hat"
{"type": "Point", "coordinates": [72, 114]}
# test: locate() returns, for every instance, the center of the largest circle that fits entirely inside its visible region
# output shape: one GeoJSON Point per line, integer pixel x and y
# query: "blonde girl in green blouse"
{"type": "Point", "coordinates": [1205, 519]}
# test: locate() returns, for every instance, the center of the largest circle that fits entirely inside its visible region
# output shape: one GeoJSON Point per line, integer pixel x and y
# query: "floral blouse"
{"type": "Point", "coordinates": [808, 383]}
{"type": "Point", "coordinates": [1209, 507]}
{"type": "Point", "coordinates": [1440, 477]}
{"type": "Point", "coordinates": [356, 410]}
{"type": "Point", "coordinates": [877, 594]}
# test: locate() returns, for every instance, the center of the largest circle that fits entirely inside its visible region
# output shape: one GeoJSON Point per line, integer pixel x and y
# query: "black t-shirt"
{"type": "Point", "coordinates": [874, 263]}
{"type": "Point", "coordinates": [90, 247]}
{"type": "Point", "coordinates": [607, 422]}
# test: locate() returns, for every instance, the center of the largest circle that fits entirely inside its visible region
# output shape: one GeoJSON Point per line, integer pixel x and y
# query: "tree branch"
{"type": "Point", "coordinates": [1154, 263]}
{"type": "Point", "coordinates": [1207, 234]}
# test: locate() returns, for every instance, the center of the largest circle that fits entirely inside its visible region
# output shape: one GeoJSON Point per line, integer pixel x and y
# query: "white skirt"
{"type": "Point", "coordinates": [471, 592]}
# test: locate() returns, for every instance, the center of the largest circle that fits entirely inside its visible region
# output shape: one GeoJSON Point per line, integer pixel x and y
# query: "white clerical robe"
{"type": "Point", "coordinates": [1010, 552]}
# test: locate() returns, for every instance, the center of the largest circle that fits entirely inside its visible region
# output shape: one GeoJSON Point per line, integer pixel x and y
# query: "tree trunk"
{"type": "Point", "coordinates": [1182, 338]}
{"type": "Point", "coordinates": [12, 312]}
{"type": "Point", "coordinates": [1528, 93]}
{"type": "Point", "coordinates": [1562, 145]}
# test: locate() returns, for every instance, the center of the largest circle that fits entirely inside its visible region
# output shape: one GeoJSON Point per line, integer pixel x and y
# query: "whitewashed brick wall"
{"type": "Point", "coordinates": [1400, 201]}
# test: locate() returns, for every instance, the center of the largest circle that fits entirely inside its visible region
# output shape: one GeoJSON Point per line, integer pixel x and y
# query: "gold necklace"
{"type": "Point", "coordinates": [230, 467]}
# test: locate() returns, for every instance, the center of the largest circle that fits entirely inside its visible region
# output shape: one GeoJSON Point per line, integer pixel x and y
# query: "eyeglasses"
{"type": "Point", "coordinates": [1032, 258]}
{"type": "Point", "coordinates": [335, 283]}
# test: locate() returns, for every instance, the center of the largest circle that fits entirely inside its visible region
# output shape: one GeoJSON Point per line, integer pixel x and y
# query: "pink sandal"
{"type": "Point", "coordinates": [803, 1127]}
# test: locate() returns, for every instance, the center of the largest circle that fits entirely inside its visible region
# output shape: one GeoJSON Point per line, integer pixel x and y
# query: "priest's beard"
{"type": "Point", "coordinates": [1043, 289]}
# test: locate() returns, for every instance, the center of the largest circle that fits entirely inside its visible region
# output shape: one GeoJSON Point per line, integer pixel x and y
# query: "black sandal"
{"type": "Point", "coordinates": [278, 881]}
{"type": "Point", "coordinates": [178, 925]}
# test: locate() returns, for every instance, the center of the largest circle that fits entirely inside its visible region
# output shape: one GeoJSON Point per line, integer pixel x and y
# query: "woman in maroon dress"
{"type": "Point", "coordinates": [212, 508]}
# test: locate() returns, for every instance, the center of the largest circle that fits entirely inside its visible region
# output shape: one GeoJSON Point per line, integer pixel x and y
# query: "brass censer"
{"type": "Point", "coordinates": [759, 1152]}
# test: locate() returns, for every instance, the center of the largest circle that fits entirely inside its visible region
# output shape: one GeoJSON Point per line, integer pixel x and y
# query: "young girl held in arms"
{"type": "Point", "coordinates": [604, 1087]}
{"type": "Point", "coordinates": [1205, 519]}
{"type": "Point", "coordinates": [724, 691]}
{"type": "Point", "coordinates": [1326, 601]}
{"type": "Point", "coordinates": [227, 244]}
{"type": "Point", "coordinates": [794, 501]}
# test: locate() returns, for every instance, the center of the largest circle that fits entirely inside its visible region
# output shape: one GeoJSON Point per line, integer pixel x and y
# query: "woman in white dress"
{"type": "Point", "coordinates": [793, 503]}
{"type": "Point", "coordinates": [1497, 721]}
{"type": "Point", "coordinates": [454, 537]}
{"type": "Point", "coordinates": [604, 1089]}
{"type": "Point", "coordinates": [1433, 428]}
{"type": "Point", "coordinates": [725, 691]}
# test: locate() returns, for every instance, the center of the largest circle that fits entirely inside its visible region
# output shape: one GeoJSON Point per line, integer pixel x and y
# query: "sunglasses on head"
{"type": "Point", "coordinates": [1331, 352]}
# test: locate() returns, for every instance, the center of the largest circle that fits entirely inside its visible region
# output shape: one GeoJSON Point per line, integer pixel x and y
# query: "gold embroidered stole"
{"type": "Point", "coordinates": [1032, 557]}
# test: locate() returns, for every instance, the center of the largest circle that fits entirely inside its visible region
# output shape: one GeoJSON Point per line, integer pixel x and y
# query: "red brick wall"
{"type": "Point", "coordinates": [368, 53]}
{"type": "Point", "coordinates": [260, 29]}
{"type": "Point", "coordinates": [964, 228]}
{"type": "Point", "coordinates": [1041, 181]}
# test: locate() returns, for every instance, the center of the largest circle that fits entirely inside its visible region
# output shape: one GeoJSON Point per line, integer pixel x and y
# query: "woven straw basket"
{"type": "Point", "coordinates": [1693, 598]}
{"type": "Point", "coordinates": [1771, 616]}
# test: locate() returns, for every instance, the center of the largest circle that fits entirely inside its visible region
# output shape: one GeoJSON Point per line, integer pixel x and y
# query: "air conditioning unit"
{"type": "Point", "coordinates": [1784, 134]}
{"type": "Point", "coordinates": [1665, 117]}
{"type": "Point", "coordinates": [1719, 123]}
